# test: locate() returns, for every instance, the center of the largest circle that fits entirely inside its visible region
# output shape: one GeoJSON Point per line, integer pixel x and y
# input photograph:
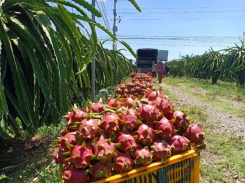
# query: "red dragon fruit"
{"type": "Point", "coordinates": [72, 175]}
{"type": "Point", "coordinates": [164, 128]}
{"type": "Point", "coordinates": [67, 142]}
{"type": "Point", "coordinates": [160, 150]}
{"type": "Point", "coordinates": [142, 156]}
{"type": "Point", "coordinates": [97, 107]}
{"type": "Point", "coordinates": [194, 133]}
{"type": "Point", "coordinates": [123, 162]}
{"type": "Point", "coordinates": [153, 94]}
{"type": "Point", "coordinates": [179, 144]}
{"type": "Point", "coordinates": [88, 129]}
{"type": "Point", "coordinates": [148, 112]}
{"type": "Point", "coordinates": [110, 123]}
{"type": "Point", "coordinates": [114, 102]}
{"type": "Point", "coordinates": [127, 141]}
{"type": "Point", "coordinates": [101, 170]}
{"type": "Point", "coordinates": [59, 157]}
{"type": "Point", "coordinates": [145, 134]}
{"type": "Point", "coordinates": [129, 101]}
{"type": "Point", "coordinates": [81, 155]}
{"type": "Point", "coordinates": [129, 119]}
{"type": "Point", "coordinates": [104, 149]}
{"type": "Point", "coordinates": [76, 115]}
{"type": "Point", "coordinates": [180, 120]}
{"type": "Point", "coordinates": [163, 105]}
{"type": "Point", "coordinates": [67, 129]}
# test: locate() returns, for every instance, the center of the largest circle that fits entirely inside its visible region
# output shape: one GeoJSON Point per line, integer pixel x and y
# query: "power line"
{"type": "Point", "coordinates": [177, 8]}
{"type": "Point", "coordinates": [197, 41]}
{"type": "Point", "coordinates": [183, 12]}
{"type": "Point", "coordinates": [104, 14]}
{"type": "Point", "coordinates": [157, 19]}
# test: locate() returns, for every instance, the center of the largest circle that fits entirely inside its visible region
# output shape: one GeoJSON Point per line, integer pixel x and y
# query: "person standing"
{"type": "Point", "coordinates": [167, 70]}
{"type": "Point", "coordinates": [160, 68]}
{"type": "Point", "coordinates": [154, 69]}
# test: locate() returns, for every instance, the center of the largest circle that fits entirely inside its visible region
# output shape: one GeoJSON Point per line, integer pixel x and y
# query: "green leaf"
{"type": "Point", "coordinates": [2, 16]}
{"type": "Point", "coordinates": [89, 7]}
{"type": "Point", "coordinates": [135, 5]}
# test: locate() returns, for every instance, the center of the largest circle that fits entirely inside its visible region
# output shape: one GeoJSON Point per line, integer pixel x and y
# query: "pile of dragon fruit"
{"type": "Point", "coordinates": [102, 140]}
{"type": "Point", "coordinates": [140, 83]}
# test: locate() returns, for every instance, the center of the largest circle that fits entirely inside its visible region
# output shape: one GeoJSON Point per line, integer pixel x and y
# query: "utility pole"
{"type": "Point", "coordinates": [93, 64]}
{"type": "Point", "coordinates": [243, 36]}
{"type": "Point", "coordinates": [114, 47]}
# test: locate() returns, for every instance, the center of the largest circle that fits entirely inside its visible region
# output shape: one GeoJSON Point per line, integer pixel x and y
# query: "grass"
{"type": "Point", "coordinates": [222, 161]}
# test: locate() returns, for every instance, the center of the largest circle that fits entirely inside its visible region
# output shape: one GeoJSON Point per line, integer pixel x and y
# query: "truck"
{"type": "Point", "coordinates": [146, 56]}
{"type": "Point", "coordinates": [163, 55]}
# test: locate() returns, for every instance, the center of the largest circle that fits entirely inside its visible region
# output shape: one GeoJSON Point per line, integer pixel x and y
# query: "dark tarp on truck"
{"type": "Point", "coordinates": [145, 58]}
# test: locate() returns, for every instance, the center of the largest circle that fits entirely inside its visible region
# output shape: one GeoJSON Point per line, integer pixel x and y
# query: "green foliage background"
{"type": "Point", "coordinates": [226, 65]}
{"type": "Point", "coordinates": [46, 61]}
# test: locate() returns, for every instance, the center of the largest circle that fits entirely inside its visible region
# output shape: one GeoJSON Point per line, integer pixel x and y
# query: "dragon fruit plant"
{"type": "Point", "coordinates": [129, 131]}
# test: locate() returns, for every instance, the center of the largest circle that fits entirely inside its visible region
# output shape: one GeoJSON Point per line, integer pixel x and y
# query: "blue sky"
{"type": "Point", "coordinates": [183, 27]}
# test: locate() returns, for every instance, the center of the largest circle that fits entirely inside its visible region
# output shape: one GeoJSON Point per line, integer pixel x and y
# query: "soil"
{"type": "Point", "coordinates": [17, 154]}
{"type": "Point", "coordinates": [37, 147]}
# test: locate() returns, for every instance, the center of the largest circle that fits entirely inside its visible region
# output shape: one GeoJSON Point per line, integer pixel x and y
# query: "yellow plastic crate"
{"type": "Point", "coordinates": [181, 168]}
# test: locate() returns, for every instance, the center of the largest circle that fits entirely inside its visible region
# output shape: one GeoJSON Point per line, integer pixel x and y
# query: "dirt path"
{"type": "Point", "coordinates": [225, 122]}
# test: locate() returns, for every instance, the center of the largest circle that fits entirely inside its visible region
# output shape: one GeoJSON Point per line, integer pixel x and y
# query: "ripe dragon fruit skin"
{"type": "Point", "coordinates": [67, 129]}
{"type": "Point", "coordinates": [194, 133]}
{"type": "Point", "coordinates": [164, 128]}
{"type": "Point", "coordinates": [88, 129]}
{"type": "Point", "coordinates": [104, 149]}
{"type": "Point", "coordinates": [59, 158]}
{"type": "Point", "coordinates": [142, 156]}
{"type": "Point", "coordinates": [179, 144]}
{"type": "Point", "coordinates": [148, 112]}
{"type": "Point", "coordinates": [129, 119]}
{"type": "Point", "coordinates": [153, 94]}
{"type": "Point", "coordinates": [81, 155]}
{"type": "Point", "coordinates": [97, 107]}
{"type": "Point", "coordinates": [123, 162]}
{"type": "Point", "coordinates": [110, 123]}
{"type": "Point", "coordinates": [163, 105]}
{"type": "Point", "coordinates": [127, 141]}
{"type": "Point", "coordinates": [160, 150]}
{"type": "Point", "coordinates": [67, 142]}
{"type": "Point", "coordinates": [76, 115]}
{"type": "Point", "coordinates": [114, 102]}
{"type": "Point", "coordinates": [72, 175]}
{"type": "Point", "coordinates": [145, 134]}
{"type": "Point", "coordinates": [180, 120]}
{"type": "Point", "coordinates": [129, 101]}
{"type": "Point", "coordinates": [101, 170]}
